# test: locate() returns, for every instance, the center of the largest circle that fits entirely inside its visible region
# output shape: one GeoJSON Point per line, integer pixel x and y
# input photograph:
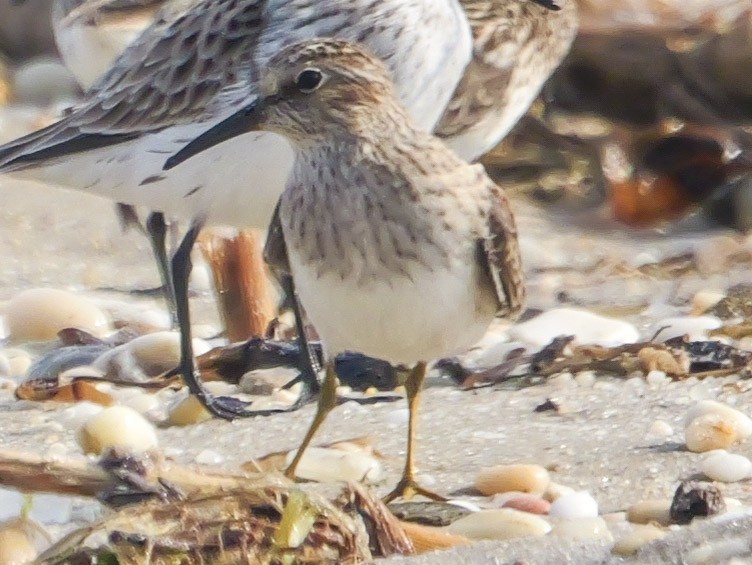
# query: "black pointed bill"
{"type": "Point", "coordinates": [239, 123]}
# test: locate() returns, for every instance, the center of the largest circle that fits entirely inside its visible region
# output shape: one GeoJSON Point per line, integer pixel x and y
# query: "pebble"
{"type": "Point", "coordinates": [525, 478]}
{"type": "Point", "coordinates": [653, 511]}
{"type": "Point", "coordinates": [145, 357]}
{"type": "Point", "coordinates": [117, 426]}
{"type": "Point", "coordinates": [703, 300]}
{"type": "Point", "coordinates": [726, 467]}
{"type": "Point", "coordinates": [660, 429]}
{"type": "Point", "coordinates": [38, 314]}
{"type": "Point", "coordinates": [696, 327]}
{"type": "Point", "coordinates": [188, 411]}
{"type": "Point", "coordinates": [504, 523]}
{"type": "Point", "coordinates": [711, 425]}
{"type": "Point", "coordinates": [588, 328]}
{"type": "Point", "coordinates": [740, 421]}
{"type": "Point", "coordinates": [594, 528]}
{"type": "Point", "coordinates": [528, 503]}
{"type": "Point", "coordinates": [575, 505]}
{"type": "Point", "coordinates": [323, 465]}
{"type": "Point", "coordinates": [630, 543]}
{"type": "Point", "coordinates": [16, 547]}
{"type": "Point", "coordinates": [709, 432]}
{"type": "Point", "coordinates": [656, 378]}
{"type": "Point", "coordinates": [430, 538]}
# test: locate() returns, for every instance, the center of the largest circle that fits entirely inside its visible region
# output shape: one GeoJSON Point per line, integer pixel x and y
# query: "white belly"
{"type": "Point", "coordinates": [236, 183]}
{"type": "Point", "coordinates": [434, 315]}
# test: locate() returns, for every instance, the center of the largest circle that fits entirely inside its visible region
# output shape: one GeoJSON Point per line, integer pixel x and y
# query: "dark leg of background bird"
{"type": "Point", "coordinates": [156, 229]}
{"type": "Point", "coordinates": [221, 406]}
{"type": "Point", "coordinates": [408, 486]}
{"type": "Point", "coordinates": [327, 401]}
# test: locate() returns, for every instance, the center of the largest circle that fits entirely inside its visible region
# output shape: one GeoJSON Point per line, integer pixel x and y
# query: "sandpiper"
{"type": "Point", "coordinates": [399, 249]}
{"type": "Point", "coordinates": [186, 73]}
{"type": "Point", "coordinates": [516, 46]}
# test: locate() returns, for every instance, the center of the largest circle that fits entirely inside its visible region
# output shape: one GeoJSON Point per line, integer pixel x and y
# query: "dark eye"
{"type": "Point", "coordinates": [309, 80]}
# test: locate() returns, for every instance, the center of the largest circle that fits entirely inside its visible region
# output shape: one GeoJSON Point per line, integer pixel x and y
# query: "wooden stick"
{"type": "Point", "coordinates": [32, 473]}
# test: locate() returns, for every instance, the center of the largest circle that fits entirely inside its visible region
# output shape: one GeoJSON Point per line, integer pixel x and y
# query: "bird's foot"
{"type": "Point", "coordinates": [407, 488]}
{"type": "Point", "coordinates": [229, 408]}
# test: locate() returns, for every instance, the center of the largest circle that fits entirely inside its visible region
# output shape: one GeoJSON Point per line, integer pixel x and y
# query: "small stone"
{"type": "Point", "coordinates": [16, 547]}
{"type": "Point", "coordinates": [713, 425]}
{"type": "Point", "coordinates": [430, 538]}
{"type": "Point", "coordinates": [709, 432]}
{"type": "Point", "coordinates": [518, 477]}
{"type": "Point", "coordinates": [322, 464]}
{"type": "Point", "coordinates": [117, 426]}
{"type": "Point", "coordinates": [39, 314]}
{"type": "Point", "coordinates": [695, 327]}
{"type": "Point", "coordinates": [726, 467]}
{"type": "Point", "coordinates": [654, 511]}
{"type": "Point", "coordinates": [741, 423]}
{"type": "Point", "coordinates": [594, 528]}
{"type": "Point", "coordinates": [630, 543]}
{"type": "Point", "coordinates": [528, 503]}
{"type": "Point", "coordinates": [576, 505]}
{"type": "Point", "coordinates": [588, 328]}
{"type": "Point", "coordinates": [660, 429]}
{"type": "Point", "coordinates": [656, 378]}
{"type": "Point", "coordinates": [704, 300]}
{"type": "Point", "coordinates": [693, 498]}
{"type": "Point", "coordinates": [500, 524]}
{"type": "Point", "coordinates": [187, 412]}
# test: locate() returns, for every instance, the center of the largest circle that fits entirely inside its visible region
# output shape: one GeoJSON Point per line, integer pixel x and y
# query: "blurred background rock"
{"type": "Point", "coordinates": [646, 122]}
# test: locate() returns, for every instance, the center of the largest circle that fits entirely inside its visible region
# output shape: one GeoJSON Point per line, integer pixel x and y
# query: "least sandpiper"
{"type": "Point", "coordinates": [399, 249]}
{"type": "Point", "coordinates": [186, 73]}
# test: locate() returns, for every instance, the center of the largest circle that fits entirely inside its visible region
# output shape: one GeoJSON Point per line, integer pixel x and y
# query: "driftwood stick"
{"type": "Point", "coordinates": [32, 473]}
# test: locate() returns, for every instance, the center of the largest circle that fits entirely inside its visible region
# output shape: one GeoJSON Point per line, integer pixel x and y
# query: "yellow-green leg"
{"type": "Point", "coordinates": [407, 486]}
{"type": "Point", "coordinates": [327, 401]}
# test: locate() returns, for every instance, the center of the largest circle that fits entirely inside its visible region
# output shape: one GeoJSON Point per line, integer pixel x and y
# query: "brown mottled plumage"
{"type": "Point", "coordinates": [516, 46]}
{"type": "Point", "coordinates": [398, 248]}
